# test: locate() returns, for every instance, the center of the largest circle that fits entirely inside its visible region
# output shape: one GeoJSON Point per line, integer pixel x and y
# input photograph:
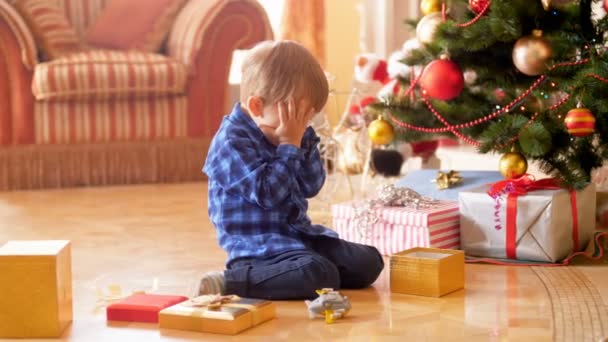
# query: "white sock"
{"type": "Point", "coordinates": [212, 283]}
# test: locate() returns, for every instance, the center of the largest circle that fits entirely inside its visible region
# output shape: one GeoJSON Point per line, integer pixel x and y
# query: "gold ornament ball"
{"type": "Point", "coordinates": [531, 54]}
{"type": "Point", "coordinates": [513, 165]}
{"type": "Point", "coordinates": [430, 6]}
{"type": "Point", "coordinates": [381, 132]}
{"type": "Point", "coordinates": [425, 30]}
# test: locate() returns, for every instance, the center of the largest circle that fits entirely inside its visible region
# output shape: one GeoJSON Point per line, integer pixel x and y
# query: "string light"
{"type": "Point", "coordinates": [476, 122]}
{"type": "Point", "coordinates": [598, 77]}
{"type": "Point", "coordinates": [454, 129]}
{"type": "Point", "coordinates": [477, 17]}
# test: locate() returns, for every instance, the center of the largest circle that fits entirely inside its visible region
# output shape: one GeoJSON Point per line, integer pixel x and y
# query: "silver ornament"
{"type": "Point", "coordinates": [427, 26]}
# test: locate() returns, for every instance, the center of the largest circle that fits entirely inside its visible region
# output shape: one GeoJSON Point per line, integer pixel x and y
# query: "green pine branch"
{"type": "Point", "coordinates": [485, 48]}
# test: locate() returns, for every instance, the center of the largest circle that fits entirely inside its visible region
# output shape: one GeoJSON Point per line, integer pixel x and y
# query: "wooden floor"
{"type": "Point", "coordinates": [159, 238]}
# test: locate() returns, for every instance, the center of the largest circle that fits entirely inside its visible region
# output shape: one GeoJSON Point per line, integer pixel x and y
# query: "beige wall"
{"type": "Point", "coordinates": [342, 39]}
{"type": "Point", "coordinates": [381, 31]}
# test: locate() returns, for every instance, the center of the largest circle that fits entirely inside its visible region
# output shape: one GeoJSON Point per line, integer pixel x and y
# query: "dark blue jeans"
{"type": "Point", "coordinates": [328, 262]}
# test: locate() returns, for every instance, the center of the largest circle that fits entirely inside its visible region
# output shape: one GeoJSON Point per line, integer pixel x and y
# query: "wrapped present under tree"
{"type": "Point", "coordinates": [526, 220]}
{"type": "Point", "coordinates": [395, 224]}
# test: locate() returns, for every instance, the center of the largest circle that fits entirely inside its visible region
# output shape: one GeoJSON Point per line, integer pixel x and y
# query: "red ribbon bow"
{"type": "Point", "coordinates": [522, 186]}
{"type": "Point", "coordinates": [514, 188]}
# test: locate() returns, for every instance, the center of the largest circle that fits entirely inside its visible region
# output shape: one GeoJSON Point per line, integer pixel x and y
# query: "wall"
{"type": "Point", "coordinates": [383, 28]}
{"type": "Point", "coordinates": [403, 10]}
{"type": "Point", "coordinates": [353, 27]}
{"type": "Point", "coordinates": [342, 39]}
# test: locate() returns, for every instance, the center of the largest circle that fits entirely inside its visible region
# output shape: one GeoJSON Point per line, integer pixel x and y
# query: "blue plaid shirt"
{"type": "Point", "coordinates": [258, 191]}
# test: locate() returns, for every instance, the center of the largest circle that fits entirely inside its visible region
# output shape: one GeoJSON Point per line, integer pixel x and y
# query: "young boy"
{"type": "Point", "coordinates": [263, 164]}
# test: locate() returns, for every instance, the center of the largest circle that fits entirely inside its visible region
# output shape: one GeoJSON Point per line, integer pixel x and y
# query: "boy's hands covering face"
{"type": "Point", "coordinates": [293, 121]}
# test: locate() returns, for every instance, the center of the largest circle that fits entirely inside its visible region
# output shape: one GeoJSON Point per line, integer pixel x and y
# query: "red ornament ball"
{"type": "Point", "coordinates": [606, 5]}
{"type": "Point", "coordinates": [442, 79]}
{"type": "Point", "coordinates": [500, 95]}
{"type": "Point", "coordinates": [580, 122]}
{"type": "Point", "coordinates": [478, 5]}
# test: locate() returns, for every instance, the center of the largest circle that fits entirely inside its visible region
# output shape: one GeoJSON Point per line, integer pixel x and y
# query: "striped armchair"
{"type": "Point", "coordinates": [115, 117]}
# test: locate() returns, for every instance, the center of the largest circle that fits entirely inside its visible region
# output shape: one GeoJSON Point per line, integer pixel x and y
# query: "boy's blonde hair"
{"type": "Point", "coordinates": [277, 70]}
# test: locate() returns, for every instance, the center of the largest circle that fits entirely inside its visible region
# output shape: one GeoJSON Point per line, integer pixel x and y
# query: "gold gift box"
{"type": "Point", "coordinates": [430, 272]}
{"type": "Point", "coordinates": [35, 289]}
{"type": "Point", "coordinates": [228, 318]}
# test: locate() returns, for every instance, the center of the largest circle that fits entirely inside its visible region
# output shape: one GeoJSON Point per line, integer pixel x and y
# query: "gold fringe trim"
{"type": "Point", "coordinates": [58, 166]}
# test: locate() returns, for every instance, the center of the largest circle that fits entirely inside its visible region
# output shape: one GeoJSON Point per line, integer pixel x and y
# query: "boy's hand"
{"type": "Point", "coordinates": [270, 134]}
{"type": "Point", "coordinates": [293, 121]}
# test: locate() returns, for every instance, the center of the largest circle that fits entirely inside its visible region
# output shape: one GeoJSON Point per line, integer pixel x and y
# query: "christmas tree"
{"type": "Point", "coordinates": [525, 78]}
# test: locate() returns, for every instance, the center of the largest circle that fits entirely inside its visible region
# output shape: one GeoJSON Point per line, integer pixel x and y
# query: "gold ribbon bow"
{"type": "Point", "coordinates": [447, 180]}
{"type": "Point", "coordinates": [212, 302]}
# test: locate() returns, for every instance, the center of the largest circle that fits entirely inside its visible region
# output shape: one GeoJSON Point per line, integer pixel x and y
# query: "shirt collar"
{"type": "Point", "coordinates": [241, 117]}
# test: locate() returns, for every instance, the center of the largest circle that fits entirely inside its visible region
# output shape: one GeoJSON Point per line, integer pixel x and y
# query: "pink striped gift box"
{"type": "Point", "coordinates": [400, 228]}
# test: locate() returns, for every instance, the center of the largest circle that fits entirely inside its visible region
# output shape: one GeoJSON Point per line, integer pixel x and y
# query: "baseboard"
{"type": "Point", "coordinates": [26, 167]}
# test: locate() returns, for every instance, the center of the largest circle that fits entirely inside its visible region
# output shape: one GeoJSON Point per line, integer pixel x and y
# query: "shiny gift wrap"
{"type": "Point", "coordinates": [544, 229]}
{"type": "Point", "coordinates": [219, 315]}
{"type": "Point", "coordinates": [602, 207]}
{"type": "Point", "coordinates": [35, 289]}
{"type": "Point", "coordinates": [398, 219]}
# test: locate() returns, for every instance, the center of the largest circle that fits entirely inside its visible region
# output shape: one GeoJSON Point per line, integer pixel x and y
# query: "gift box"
{"type": "Point", "coordinates": [400, 228]}
{"type": "Point", "coordinates": [141, 307]}
{"type": "Point", "coordinates": [35, 289]}
{"type": "Point", "coordinates": [602, 208]}
{"type": "Point", "coordinates": [227, 317]}
{"type": "Point", "coordinates": [427, 272]}
{"type": "Point", "coordinates": [540, 225]}
{"type": "Point", "coordinates": [421, 181]}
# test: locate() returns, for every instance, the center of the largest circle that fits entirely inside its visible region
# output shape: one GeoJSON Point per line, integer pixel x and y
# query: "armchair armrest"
{"type": "Point", "coordinates": [22, 33]}
{"type": "Point", "coordinates": [204, 37]}
{"type": "Point", "coordinates": [17, 61]}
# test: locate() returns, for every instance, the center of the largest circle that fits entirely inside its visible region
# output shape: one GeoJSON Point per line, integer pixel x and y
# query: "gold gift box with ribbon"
{"type": "Point", "coordinates": [227, 315]}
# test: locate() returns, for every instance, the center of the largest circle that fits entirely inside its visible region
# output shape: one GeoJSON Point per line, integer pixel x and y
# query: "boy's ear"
{"type": "Point", "coordinates": [255, 104]}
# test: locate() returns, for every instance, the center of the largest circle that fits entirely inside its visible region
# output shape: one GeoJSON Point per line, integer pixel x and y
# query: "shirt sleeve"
{"type": "Point", "coordinates": [241, 170]}
{"type": "Point", "coordinates": [311, 175]}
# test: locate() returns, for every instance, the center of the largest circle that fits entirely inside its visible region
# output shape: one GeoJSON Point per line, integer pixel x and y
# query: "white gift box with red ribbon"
{"type": "Point", "coordinates": [401, 228]}
{"type": "Point", "coordinates": [527, 219]}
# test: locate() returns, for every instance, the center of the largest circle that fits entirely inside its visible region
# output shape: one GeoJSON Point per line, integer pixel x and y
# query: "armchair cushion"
{"type": "Point", "coordinates": [50, 27]}
{"type": "Point", "coordinates": [135, 119]}
{"type": "Point", "coordinates": [103, 74]}
{"type": "Point", "coordinates": [134, 25]}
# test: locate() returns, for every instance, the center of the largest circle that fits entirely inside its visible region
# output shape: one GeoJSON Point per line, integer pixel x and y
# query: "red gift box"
{"type": "Point", "coordinates": [141, 307]}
